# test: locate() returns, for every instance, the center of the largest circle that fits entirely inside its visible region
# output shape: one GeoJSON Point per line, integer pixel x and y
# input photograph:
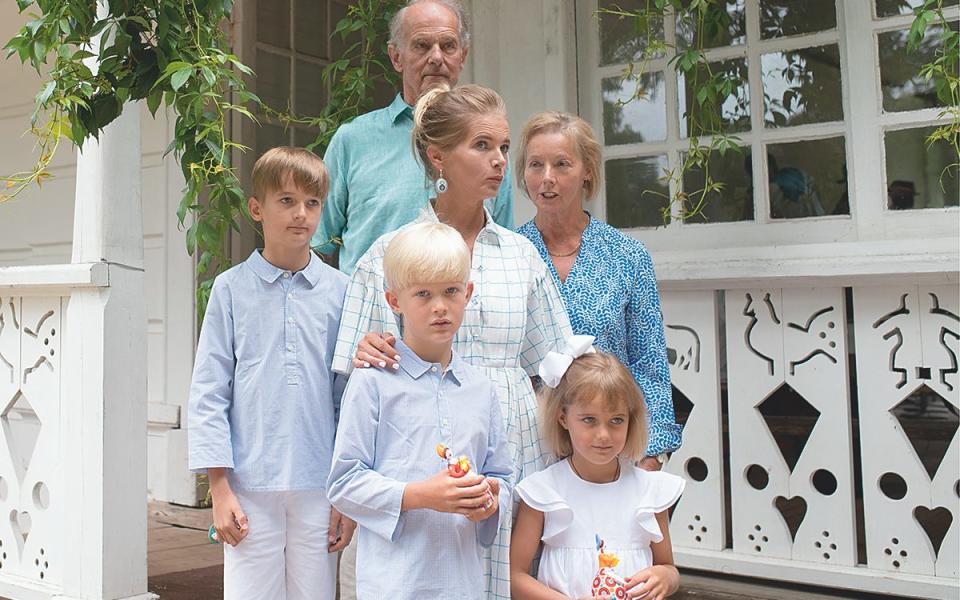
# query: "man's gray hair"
{"type": "Point", "coordinates": [397, 34]}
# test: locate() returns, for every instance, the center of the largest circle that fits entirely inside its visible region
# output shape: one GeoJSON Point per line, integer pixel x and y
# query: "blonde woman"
{"type": "Point", "coordinates": [516, 314]}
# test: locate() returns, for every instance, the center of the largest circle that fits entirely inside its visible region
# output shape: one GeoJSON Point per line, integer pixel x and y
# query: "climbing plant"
{"type": "Point", "coordinates": [712, 86]}
{"type": "Point", "coordinates": [175, 54]}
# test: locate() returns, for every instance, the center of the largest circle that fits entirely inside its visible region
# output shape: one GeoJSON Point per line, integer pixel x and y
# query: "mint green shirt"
{"type": "Point", "coordinates": [377, 186]}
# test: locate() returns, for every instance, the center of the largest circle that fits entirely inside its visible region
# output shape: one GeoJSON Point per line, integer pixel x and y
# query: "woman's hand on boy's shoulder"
{"type": "Point", "coordinates": [377, 349]}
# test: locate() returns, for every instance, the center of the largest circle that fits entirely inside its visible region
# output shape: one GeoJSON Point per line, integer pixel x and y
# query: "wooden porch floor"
{"type": "Point", "coordinates": [182, 565]}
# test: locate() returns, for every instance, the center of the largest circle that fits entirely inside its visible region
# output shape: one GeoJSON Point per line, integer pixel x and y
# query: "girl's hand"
{"type": "Point", "coordinates": [377, 349]}
{"type": "Point", "coordinates": [229, 519]}
{"type": "Point", "coordinates": [340, 531]}
{"type": "Point", "coordinates": [653, 583]}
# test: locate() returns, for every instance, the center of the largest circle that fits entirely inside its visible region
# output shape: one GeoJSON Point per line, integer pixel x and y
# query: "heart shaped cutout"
{"type": "Point", "coordinates": [20, 522]}
{"type": "Point", "coordinates": [935, 523]}
{"type": "Point", "coordinates": [793, 510]}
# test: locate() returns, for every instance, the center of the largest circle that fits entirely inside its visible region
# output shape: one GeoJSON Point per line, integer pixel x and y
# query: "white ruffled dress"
{"type": "Point", "coordinates": [622, 513]}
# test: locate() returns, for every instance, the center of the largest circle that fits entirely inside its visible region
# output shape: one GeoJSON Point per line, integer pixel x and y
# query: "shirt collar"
{"type": "Point", "coordinates": [398, 108]}
{"type": "Point", "coordinates": [270, 272]}
{"type": "Point", "coordinates": [489, 234]}
{"type": "Point", "coordinates": [415, 366]}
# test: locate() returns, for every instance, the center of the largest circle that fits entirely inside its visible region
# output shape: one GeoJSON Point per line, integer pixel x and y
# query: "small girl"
{"type": "Point", "coordinates": [594, 418]}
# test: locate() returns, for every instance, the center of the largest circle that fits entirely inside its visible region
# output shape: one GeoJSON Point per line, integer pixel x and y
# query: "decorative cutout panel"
{"type": "Point", "coordinates": [30, 372]}
{"type": "Point", "coordinates": [907, 347]}
{"type": "Point", "coordinates": [789, 423]}
{"type": "Point", "coordinates": [690, 324]}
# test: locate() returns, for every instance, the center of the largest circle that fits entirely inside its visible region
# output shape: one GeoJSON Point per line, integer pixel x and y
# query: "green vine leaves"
{"type": "Point", "coordinates": [943, 71]}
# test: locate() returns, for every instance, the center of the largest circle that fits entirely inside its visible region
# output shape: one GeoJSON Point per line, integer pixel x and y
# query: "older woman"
{"type": "Point", "coordinates": [516, 314]}
{"type": "Point", "coordinates": [605, 278]}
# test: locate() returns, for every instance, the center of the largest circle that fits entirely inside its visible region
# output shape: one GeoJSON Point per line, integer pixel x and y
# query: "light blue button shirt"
{"type": "Point", "coordinates": [389, 429]}
{"type": "Point", "coordinates": [377, 186]}
{"type": "Point", "coordinates": [263, 396]}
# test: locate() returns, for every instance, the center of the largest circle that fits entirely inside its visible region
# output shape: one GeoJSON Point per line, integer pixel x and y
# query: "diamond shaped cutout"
{"type": "Point", "coordinates": [682, 407]}
{"type": "Point", "coordinates": [21, 428]}
{"type": "Point", "coordinates": [790, 419]}
{"type": "Point", "coordinates": [929, 421]}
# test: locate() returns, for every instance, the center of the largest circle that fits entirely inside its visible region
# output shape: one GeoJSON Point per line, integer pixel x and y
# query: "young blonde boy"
{"type": "Point", "coordinates": [261, 414]}
{"type": "Point", "coordinates": [422, 525]}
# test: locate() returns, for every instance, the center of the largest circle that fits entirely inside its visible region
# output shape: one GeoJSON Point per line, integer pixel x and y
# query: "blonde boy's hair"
{"type": "Point", "coordinates": [597, 375]}
{"type": "Point", "coordinates": [425, 253]}
{"type": "Point", "coordinates": [577, 131]}
{"type": "Point", "coordinates": [302, 167]}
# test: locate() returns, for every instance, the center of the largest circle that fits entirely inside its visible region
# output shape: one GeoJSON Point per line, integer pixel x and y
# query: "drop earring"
{"type": "Point", "coordinates": [441, 183]}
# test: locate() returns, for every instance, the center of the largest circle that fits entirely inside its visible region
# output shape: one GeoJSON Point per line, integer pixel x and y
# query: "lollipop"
{"type": "Point", "coordinates": [607, 582]}
{"type": "Point", "coordinates": [458, 467]}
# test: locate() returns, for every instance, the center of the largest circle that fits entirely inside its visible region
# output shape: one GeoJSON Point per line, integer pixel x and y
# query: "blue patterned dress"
{"type": "Point", "coordinates": [611, 294]}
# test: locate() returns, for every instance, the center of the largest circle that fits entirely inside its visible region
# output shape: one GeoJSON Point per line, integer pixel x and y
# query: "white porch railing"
{"type": "Point", "coordinates": [810, 416]}
{"type": "Point", "coordinates": [73, 408]}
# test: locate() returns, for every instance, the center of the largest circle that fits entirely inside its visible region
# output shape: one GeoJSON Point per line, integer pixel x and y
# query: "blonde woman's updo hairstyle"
{"type": "Point", "coordinates": [576, 130]}
{"type": "Point", "coordinates": [590, 376]}
{"type": "Point", "coordinates": [443, 116]}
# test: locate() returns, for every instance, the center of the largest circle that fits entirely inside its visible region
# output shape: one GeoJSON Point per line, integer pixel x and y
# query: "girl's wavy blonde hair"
{"type": "Point", "coordinates": [597, 375]}
{"type": "Point", "coordinates": [443, 116]}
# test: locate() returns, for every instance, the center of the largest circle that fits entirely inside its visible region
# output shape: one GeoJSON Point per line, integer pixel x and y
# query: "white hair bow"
{"type": "Point", "coordinates": [553, 367]}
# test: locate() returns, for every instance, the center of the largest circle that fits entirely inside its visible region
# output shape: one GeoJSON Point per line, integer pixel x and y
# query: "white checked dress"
{"type": "Point", "coordinates": [515, 317]}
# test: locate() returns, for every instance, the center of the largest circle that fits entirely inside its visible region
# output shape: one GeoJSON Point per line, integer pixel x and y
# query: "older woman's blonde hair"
{"type": "Point", "coordinates": [443, 116]}
{"type": "Point", "coordinates": [425, 253]}
{"type": "Point", "coordinates": [597, 375]}
{"type": "Point", "coordinates": [302, 167]}
{"type": "Point", "coordinates": [577, 131]}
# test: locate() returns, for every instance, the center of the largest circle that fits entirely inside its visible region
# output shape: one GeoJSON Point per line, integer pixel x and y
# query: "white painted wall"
{"type": "Point", "coordinates": [36, 228]}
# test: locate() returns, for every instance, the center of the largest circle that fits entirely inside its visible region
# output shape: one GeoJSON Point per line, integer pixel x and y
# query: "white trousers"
{"type": "Point", "coordinates": [284, 557]}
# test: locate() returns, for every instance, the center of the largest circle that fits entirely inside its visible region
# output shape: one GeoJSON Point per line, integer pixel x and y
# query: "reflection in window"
{"type": "Point", "coordinates": [889, 8]}
{"type": "Point", "coordinates": [637, 192]}
{"type": "Point", "coordinates": [629, 120]}
{"type": "Point", "coordinates": [903, 88]}
{"type": "Point", "coordinates": [802, 86]}
{"type": "Point", "coordinates": [734, 113]}
{"type": "Point", "coordinates": [735, 201]}
{"type": "Point", "coordinates": [624, 39]}
{"type": "Point", "coordinates": [808, 179]}
{"type": "Point", "coordinates": [780, 18]}
{"type": "Point", "coordinates": [918, 175]}
{"type": "Point", "coordinates": [729, 30]}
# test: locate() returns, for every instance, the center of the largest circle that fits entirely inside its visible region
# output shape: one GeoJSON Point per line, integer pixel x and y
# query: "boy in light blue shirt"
{"type": "Point", "coordinates": [261, 415]}
{"type": "Point", "coordinates": [422, 524]}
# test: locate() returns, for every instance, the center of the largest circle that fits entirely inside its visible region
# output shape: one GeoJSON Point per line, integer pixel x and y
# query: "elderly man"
{"type": "Point", "coordinates": [376, 184]}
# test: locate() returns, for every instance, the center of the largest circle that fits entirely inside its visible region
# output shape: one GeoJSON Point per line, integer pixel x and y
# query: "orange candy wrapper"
{"type": "Point", "coordinates": [607, 582]}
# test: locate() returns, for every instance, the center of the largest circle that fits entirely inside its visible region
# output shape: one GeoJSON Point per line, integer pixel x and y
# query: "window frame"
{"type": "Point", "coordinates": [862, 129]}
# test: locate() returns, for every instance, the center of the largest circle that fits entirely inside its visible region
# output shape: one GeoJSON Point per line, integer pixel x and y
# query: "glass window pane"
{"type": "Point", "coordinates": [889, 8]}
{"type": "Point", "coordinates": [634, 110]}
{"type": "Point", "coordinates": [310, 91]}
{"type": "Point", "coordinates": [903, 88]}
{"type": "Point", "coordinates": [726, 27]}
{"type": "Point", "coordinates": [637, 192]}
{"type": "Point", "coordinates": [802, 86]}
{"type": "Point", "coordinates": [780, 18]}
{"type": "Point", "coordinates": [310, 27]}
{"type": "Point", "coordinates": [273, 23]}
{"type": "Point", "coordinates": [732, 203]}
{"type": "Point", "coordinates": [273, 80]}
{"type": "Point", "coordinates": [916, 175]}
{"type": "Point", "coordinates": [808, 179]}
{"type": "Point", "coordinates": [734, 113]}
{"type": "Point", "coordinates": [624, 38]}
